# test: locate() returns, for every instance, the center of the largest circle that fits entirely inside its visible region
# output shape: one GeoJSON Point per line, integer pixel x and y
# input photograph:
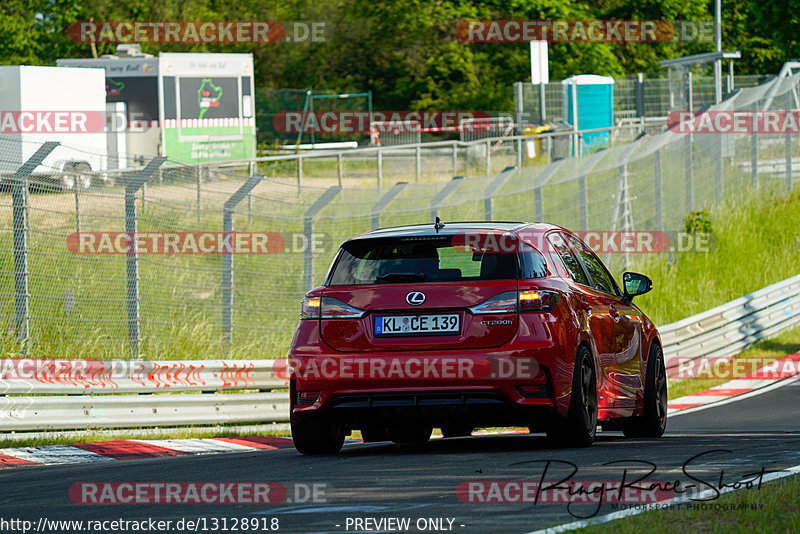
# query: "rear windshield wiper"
{"type": "Point", "coordinates": [402, 277]}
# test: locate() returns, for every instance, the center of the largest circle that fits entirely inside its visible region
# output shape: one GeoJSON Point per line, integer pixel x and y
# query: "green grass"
{"type": "Point", "coordinates": [757, 244]}
{"type": "Point", "coordinates": [772, 508]}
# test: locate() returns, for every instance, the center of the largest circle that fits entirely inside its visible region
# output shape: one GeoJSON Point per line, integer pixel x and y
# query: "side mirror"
{"type": "Point", "coordinates": [635, 284]}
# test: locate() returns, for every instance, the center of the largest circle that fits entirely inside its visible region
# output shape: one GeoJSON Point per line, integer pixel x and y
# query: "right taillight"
{"type": "Point", "coordinates": [537, 300]}
{"type": "Point", "coordinates": [528, 301]}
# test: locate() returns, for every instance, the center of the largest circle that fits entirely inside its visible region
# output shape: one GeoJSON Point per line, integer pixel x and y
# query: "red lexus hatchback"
{"type": "Point", "coordinates": [470, 325]}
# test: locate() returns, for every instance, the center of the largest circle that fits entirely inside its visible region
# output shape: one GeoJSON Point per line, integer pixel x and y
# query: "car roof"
{"type": "Point", "coordinates": [455, 228]}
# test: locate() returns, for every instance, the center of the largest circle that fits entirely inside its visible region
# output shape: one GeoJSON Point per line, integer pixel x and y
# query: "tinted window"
{"type": "Point", "coordinates": [570, 261]}
{"type": "Point", "coordinates": [417, 260]}
{"type": "Point", "coordinates": [601, 279]}
{"type": "Point", "coordinates": [531, 263]}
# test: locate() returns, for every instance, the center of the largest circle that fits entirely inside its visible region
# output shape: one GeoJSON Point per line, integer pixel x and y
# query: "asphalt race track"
{"type": "Point", "coordinates": [384, 480]}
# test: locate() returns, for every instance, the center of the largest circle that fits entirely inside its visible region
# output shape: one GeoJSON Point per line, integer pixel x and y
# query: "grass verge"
{"type": "Point", "coordinates": [772, 508]}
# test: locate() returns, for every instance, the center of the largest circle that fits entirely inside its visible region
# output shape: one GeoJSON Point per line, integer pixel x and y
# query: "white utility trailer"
{"type": "Point", "coordinates": [67, 105]}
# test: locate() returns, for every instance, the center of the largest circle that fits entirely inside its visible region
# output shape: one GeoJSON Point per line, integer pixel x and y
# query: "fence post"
{"type": "Point", "coordinates": [659, 190]}
{"type": "Point", "coordinates": [380, 168]}
{"type": "Point", "coordinates": [19, 201]}
{"type": "Point", "coordinates": [583, 193]}
{"type": "Point", "coordinates": [542, 103]}
{"type": "Point", "coordinates": [638, 92]}
{"type": "Point", "coordinates": [308, 231]}
{"type": "Point", "coordinates": [718, 167]}
{"type": "Point", "coordinates": [498, 180]}
{"type": "Point", "coordinates": [418, 162]}
{"type": "Point", "coordinates": [439, 197]}
{"type": "Point", "coordinates": [689, 147]}
{"type": "Point", "coordinates": [488, 158]}
{"type": "Point", "coordinates": [754, 155]}
{"type": "Point", "coordinates": [132, 258]}
{"type": "Point", "coordinates": [519, 106]}
{"type": "Point", "coordinates": [77, 208]}
{"type": "Point", "coordinates": [227, 258]}
{"type": "Point", "coordinates": [455, 159]}
{"type": "Point", "coordinates": [519, 154]}
{"type": "Point", "coordinates": [340, 167]}
{"type": "Point", "coordinates": [299, 173]}
{"type": "Point", "coordinates": [539, 204]}
{"type": "Point", "coordinates": [583, 200]}
{"type": "Point", "coordinates": [788, 145]}
{"type": "Point", "coordinates": [541, 181]}
{"type": "Point", "coordinates": [384, 201]}
{"type": "Point", "coordinates": [144, 195]}
{"type": "Point", "coordinates": [251, 173]}
{"type": "Point", "coordinates": [576, 134]}
{"type": "Point", "coordinates": [199, 199]}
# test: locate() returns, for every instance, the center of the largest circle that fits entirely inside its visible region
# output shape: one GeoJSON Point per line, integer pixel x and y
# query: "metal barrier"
{"type": "Point", "coordinates": [724, 331]}
{"type": "Point", "coordinates": [80, 377]}
{"type": "Point", "coordinates": [33, 390]}
{"type": "Point", "coordinates": [65, 395]}
{"type": "Point", "coordinates": [133, 411]}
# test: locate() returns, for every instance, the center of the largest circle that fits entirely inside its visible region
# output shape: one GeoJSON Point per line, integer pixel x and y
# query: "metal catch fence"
{"type": "Point", "coordinates": [166, 261]}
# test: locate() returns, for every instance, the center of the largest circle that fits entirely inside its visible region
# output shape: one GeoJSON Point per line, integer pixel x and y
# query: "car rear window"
{"type": "Point", "coordinates": [424, 259]}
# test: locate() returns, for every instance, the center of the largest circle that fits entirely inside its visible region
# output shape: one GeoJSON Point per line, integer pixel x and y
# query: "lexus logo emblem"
{"type": "Point", "coordinates": [415, 298]}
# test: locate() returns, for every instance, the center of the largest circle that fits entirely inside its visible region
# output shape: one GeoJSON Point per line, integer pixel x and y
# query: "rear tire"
{"type": "Point", "coordinates": [653, 422]}
{"type": "Point", "coordinates": [316, 435]}
{"type": "Point", "coordinates": [579, 428]}
{"type": "Point", "coordinates": [406, 435]}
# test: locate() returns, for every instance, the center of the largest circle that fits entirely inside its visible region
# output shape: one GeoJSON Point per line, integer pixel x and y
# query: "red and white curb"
{"type": "Point", "coordinates": [131, 449]}
{"type": "Point", "coordinates": [758, 381]}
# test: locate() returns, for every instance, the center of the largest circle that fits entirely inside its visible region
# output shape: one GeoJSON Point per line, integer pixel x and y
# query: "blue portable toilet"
{"type": "Point", "coordinates": [595, 95]}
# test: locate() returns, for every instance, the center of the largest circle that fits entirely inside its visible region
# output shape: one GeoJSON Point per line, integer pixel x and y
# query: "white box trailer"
{"type": "Point", "coordinates": [191, 108]}
{"type": "Point", "coordinates": [67, 105]}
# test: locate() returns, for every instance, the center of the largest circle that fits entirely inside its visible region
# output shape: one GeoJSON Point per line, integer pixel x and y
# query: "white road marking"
{"type": "Point", "coordinates": [198, 445]}
{"type": "Point", "coordinates": [55, 454]}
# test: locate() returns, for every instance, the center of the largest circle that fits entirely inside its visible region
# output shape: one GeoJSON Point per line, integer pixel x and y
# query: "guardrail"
{"type": "Point", "coordinates": [724, 331]}
{"type": "Point", "coordinates": [67, 394]}
{"type": "Point", "coordinates": [134, 411]}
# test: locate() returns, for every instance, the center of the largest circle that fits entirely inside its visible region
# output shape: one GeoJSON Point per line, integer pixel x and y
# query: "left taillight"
{"type": "Point", "coordinates": [328, 308]}
{"type": "Point", "coordinates": [310, 308]}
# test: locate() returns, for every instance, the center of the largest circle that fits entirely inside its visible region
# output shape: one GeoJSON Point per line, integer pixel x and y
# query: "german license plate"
{"type": "Point", "coordinates": [409, 325]}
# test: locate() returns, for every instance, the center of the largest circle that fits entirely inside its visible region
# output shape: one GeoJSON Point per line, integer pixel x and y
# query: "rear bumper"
{"type": "Point", "coordinates": [435, 408]}
{"type": "Point", "coordinates": [526, 379]}
{"type": "Point", "coordinates": [484, 389]}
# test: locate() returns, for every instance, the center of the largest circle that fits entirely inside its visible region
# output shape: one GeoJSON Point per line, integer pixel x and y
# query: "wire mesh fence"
{"type": "Point", "coordinates": [167, 261]}
{"type": "Point", "coordinates": [644, 96]}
